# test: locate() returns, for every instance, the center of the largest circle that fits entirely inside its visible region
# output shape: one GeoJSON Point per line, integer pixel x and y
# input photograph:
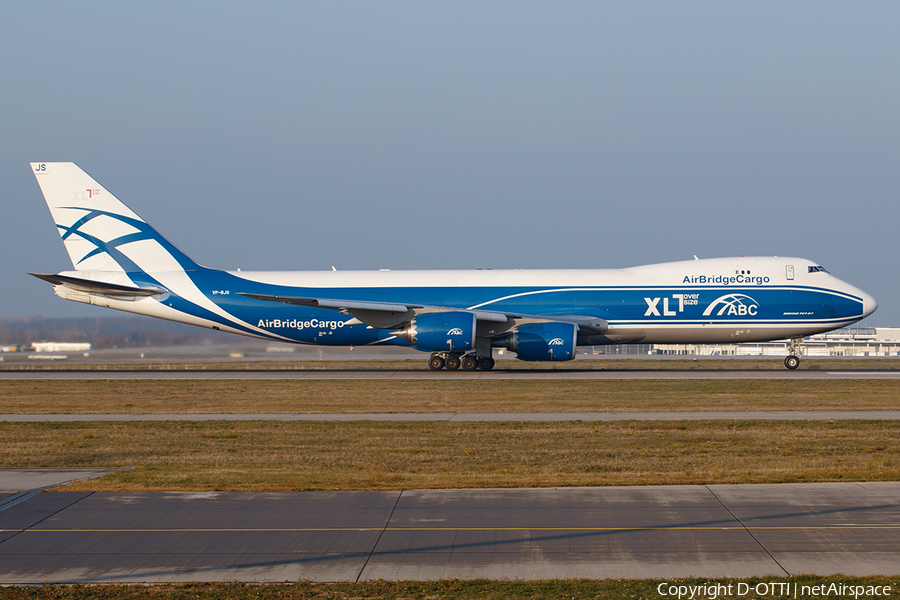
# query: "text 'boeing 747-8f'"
{"type": "Point", "coordinates": [121, 262]}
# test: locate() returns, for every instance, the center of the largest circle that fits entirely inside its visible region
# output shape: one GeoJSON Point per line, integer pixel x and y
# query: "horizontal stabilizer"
{"type": "Point", "coordinates": [96, 287]}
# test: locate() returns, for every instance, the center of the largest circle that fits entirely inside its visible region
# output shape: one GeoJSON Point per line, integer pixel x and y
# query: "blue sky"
{"type": "Point", "coordinates": [413, 135]}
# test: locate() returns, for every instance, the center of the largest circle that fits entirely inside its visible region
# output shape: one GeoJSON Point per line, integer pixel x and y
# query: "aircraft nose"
{"type": "Point", "coordinates": [869, 305]}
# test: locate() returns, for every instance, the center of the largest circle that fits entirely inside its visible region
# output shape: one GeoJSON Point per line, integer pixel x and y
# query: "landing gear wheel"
{"type": "Point", "coordinates": [485, 363]}
{"type": "Point", "coordinates": [469, 363]}
{"type": "Point", "coordinates": [792, 362]}
{"type": "Point", "coordinates": [436, 363]}
{"type": "Point", "coordinates": [451, 363]}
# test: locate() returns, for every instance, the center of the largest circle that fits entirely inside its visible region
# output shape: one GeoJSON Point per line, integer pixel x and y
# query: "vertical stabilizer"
{"type": "Point", "coordinates": [99, 232]}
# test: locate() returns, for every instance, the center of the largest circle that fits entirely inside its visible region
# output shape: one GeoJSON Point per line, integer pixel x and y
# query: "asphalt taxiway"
{"type": "Point", "coordinates": [634, 532]}
{"type": "Point", "coordinates": [29, 481]}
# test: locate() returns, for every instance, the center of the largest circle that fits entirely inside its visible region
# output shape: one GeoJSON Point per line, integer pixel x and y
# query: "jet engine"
{"type": "Point", "coordinates": [449, 331]}
{"type": "Point", "coordinates": [543, 341]}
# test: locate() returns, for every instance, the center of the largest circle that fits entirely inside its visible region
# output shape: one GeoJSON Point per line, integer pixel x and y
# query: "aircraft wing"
{"type": "Point", "coordinates": [342, 305]}
{"type": "Point", "coordinates": [388, 315]}
{"type": "Point", "coordinates": [377, 314]}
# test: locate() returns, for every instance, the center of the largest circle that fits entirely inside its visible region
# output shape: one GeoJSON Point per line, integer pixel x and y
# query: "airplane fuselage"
{"type": "Point", "coordinates": [698, 301]}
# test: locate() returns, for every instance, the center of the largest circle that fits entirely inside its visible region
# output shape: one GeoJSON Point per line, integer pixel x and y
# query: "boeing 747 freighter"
{"type": "Point", "coordinates": [121, 262]}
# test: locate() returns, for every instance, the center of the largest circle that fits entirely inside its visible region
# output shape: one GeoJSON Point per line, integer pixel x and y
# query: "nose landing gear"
{"type": "Point", "coordinates": [792, 361]}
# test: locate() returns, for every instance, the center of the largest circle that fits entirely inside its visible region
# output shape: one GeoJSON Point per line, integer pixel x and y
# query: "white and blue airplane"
{"type": "Point", "coordinates": [121, 262]}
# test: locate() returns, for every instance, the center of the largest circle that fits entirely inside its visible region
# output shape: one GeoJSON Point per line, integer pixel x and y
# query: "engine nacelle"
{"type": "Point", "coordinates": [544, 341]}
{"type": "Point", "coordinates": [450, 331]}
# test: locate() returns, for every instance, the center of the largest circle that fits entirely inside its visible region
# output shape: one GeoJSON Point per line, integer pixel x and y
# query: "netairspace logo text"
{"type": "Point", "coordinates": [712, 591]}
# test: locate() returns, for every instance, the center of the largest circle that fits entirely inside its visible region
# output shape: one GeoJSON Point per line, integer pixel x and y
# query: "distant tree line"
{"type": "Point", "coordinates": [104, 332]}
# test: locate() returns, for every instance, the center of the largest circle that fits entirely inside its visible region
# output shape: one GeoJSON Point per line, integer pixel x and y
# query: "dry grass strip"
{"type": "Point", "coordinates": [267, 455]}
{"type": "Point", "coordinates": [342, 396]}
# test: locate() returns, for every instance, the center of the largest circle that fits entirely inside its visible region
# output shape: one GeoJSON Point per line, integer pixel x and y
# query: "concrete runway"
{"type": "Point", "coordinates": [634, 532]}
{"type": "Point", "coordinates": [424, 374]}
{"type": "Point", "coordinates": [34, 480]}
{"type": "Point", "coordinates": [771, 415]}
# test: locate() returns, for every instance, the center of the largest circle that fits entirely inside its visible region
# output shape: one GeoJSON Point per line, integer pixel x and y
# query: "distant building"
{"type": "Point", "coordinates": [862, 341]}
{"type": "Point", "coordinates": [59, 347]}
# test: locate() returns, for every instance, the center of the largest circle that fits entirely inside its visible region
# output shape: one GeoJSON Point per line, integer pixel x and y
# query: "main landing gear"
{"type": "Point", "coordinates": [454, 360]}
{"type": "Point", "coordinates": [792, 361]}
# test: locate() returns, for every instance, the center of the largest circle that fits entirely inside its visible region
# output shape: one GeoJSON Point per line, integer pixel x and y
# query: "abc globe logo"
{"type": "Point", "coordinates": [737, 305]}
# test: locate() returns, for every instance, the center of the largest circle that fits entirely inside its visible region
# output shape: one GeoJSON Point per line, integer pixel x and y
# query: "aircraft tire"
{"type": "Point", "coordinates": [791, 362]}
{"type": "Point", "coordinates": [469, 363]}
{"type": "Point", "coordinates": [436, 363]}
{"type": "Point", "coordinates": [486, 363]}
{"type": "Point", "coordinates": [451, 363]}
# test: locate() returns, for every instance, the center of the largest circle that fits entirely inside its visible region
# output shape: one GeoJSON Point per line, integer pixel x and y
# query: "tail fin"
{"type": "Point", "coordinates": [99, 232]}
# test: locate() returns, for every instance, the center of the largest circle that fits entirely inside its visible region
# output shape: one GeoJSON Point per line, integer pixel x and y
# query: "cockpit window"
{"type": "Point", "coordinates": [817, 269]}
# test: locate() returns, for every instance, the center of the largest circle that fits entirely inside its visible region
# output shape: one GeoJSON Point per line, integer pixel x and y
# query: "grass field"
{"type": "Point", "coordinates": [318, 396]}
{"type": "Point", "coordinates": [271, 455]}
{"type": "Point", "coordinates": [274, 455]}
